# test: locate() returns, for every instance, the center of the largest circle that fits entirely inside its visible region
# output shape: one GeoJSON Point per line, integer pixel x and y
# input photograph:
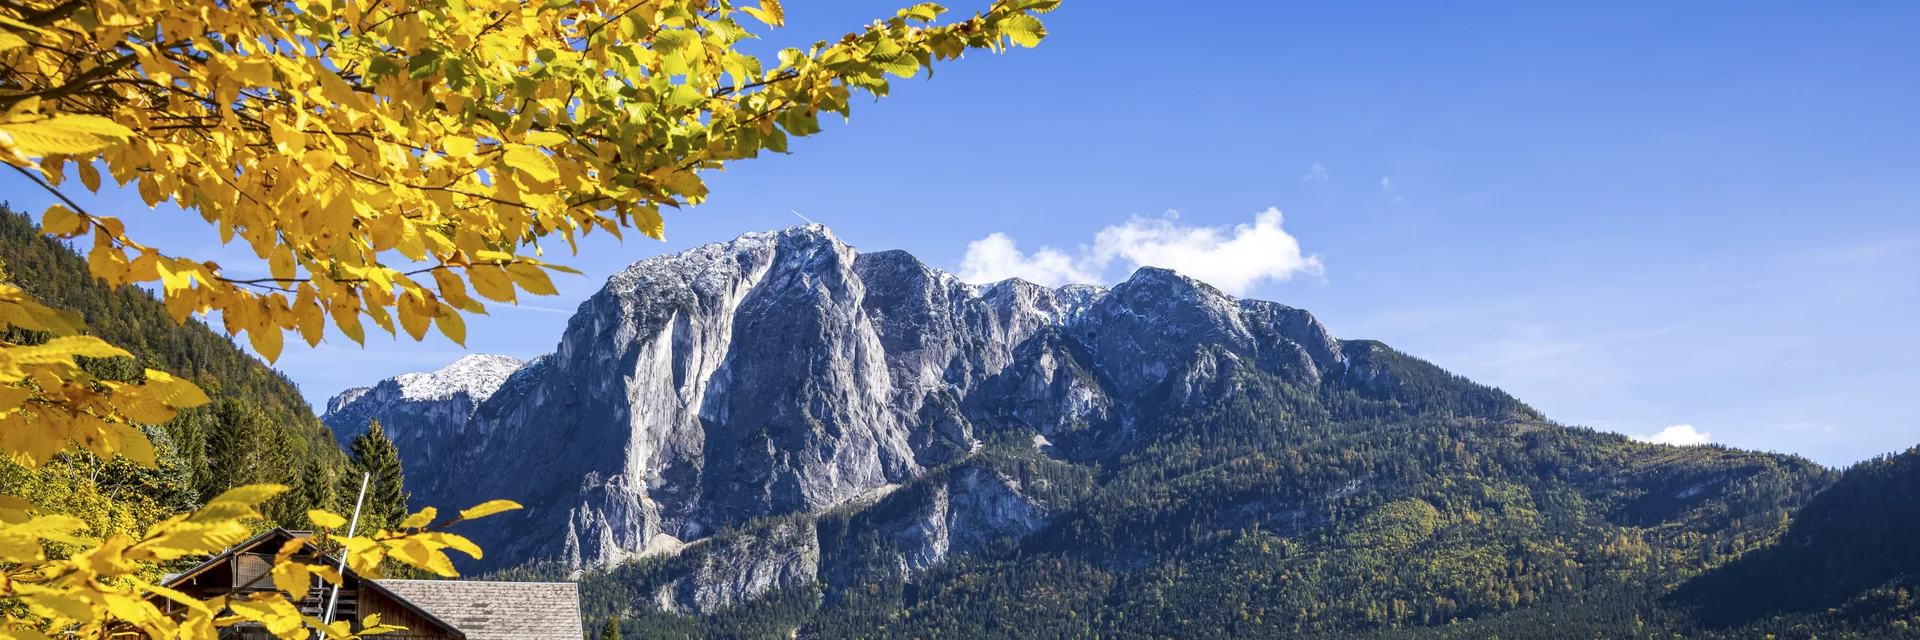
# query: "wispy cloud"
{"type": "Point", "coordinates": [1679, 435]}
{"type": "Point", "coordinates": [528, 307]}
{"type": "Point", "coordinates": [1388, 192]}
{"type": "Point", "coordinates": [1234, 259]}
{"type": "Point", "coordinates": [1317, 173]}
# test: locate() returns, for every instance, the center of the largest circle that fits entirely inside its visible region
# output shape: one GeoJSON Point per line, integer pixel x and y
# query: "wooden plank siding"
{"type": "Point", "coordinates": [394, 612]}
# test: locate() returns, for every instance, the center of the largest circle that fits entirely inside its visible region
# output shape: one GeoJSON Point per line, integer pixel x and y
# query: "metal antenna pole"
{"type": "Point", "coordinates": [342, 570]}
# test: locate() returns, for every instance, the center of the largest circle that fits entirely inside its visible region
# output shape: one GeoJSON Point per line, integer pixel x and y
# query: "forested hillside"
{"type": "Point", "coordinates": [257, 429]}
{"type": "Point", "coordinates": [1431, 508]}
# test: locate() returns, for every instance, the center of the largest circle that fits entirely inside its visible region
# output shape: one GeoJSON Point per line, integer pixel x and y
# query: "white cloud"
{"type": "Point", "coordinates": [995, 258]}
{"type": "Point", "coordinates": [1235, 260]}
{"type": "Point", "coordinates": [1388, 192]}
{"type": "Point", "coordinates": [1317, 173]}
{"type": "Point", "coordinates": [1679, 435]}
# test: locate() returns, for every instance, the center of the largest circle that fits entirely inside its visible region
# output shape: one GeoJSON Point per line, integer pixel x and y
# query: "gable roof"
{"type": "Point", "coordinates": [498, 610]}
{"type": "Point", "coordinates": [277, 536]}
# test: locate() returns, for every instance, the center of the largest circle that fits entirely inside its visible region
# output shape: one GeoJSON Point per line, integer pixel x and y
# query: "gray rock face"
{"type": "Point", "coordinates": [420, 411]}
{"type": "Point", "coordinates": [785, 373]}
{"type": "Point", "coordinates": [736, 568]}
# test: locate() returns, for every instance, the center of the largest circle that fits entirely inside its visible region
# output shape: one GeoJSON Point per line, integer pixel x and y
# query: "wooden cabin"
{"type": "Point", "coordinates": [429, 609]}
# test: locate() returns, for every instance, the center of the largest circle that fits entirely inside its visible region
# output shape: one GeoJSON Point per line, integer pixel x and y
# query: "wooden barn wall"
{"type": "Point", "coordinates": [418, 627]}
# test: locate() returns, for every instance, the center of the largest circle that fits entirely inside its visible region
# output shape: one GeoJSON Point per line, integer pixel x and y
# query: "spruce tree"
{"type": "Point", "coordinates": [316, 488]}
{"type": "Point", "coordinates": [373, 453]}
{"type": "Point", "coordinates": [610, 631]}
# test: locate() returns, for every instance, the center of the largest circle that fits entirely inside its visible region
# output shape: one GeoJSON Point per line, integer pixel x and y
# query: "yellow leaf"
{"type": "Point", "coordinates": [452, 541]}
{"type": "Point", "coordinates": [364, 556]}
{"type": "Point", "coordinates": [423, 518]}
{"type": "Point", "coordinates": [140, 404]}
{"type": "Point", "coordinates": [488, 508]}
{"type": "Point", "coordinates": [325, 519]}
{"type": "Point", "coordinates": [416, 553]}
{"type": "Point", "coordinates": [63, 222]}
{"type": "Point", "coordinates": [175, 392]}
{"type": "Point", "coordinates": [293, 578]}
{"type": "Point", "coordinates": [256, 71]}
{"type": "Point", "coordinates": [59, 350]}
{"type": "Point", "coordinates": [272, 609]}
{"type": "Point", "coordinates": [266, 341]}
{"type": "Point", "coordinates": [769, 12]}
{"type": "Point", "coordinates": [135, 446]}
{"type": "Point", "coordinates": [531, 278]}
{"type": "Point", "coordinates": [59, 606]}
{"type": "Point", "coordinates": [18, 308]}
{"type": "Point", "coordinates": [649, 222]}
{"type": "Point", "coordinates": [326, 573]}
{"type": "Point", "coordinates": [281, 265]}
{"type": "Point", "coordinates": [546, 138]}
{"type": "Point", "coordinates": [414, 316]}
{"type": "Point", "coordinates": [491, 282]}
{"type": "Point", "coordinates": [89, 176]}
{"type": "Point", "coordinates": [452, 325]}
{"type": "Point", "coordinates": [248, 495]}
{"type": "Point", "coordinates": [452, 289]}
{"type": "Point", "coordinates": [460, 146]}
{"type": "Point", "coordinates": [311, 319]}
{"type": "Point", "coordinates": [531, 160]}
{"type": "Point", "coordinates": [74, 135]}
{"type": "Point", "coordinates": [107, 261]}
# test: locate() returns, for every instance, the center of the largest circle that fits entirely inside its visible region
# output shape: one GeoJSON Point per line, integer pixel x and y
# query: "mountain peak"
{"type": "Point", "coordinates": [478, 375]}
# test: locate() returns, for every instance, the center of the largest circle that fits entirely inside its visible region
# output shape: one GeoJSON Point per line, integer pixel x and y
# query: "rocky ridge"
{"type": "Point", "coordinates": [785, 375]}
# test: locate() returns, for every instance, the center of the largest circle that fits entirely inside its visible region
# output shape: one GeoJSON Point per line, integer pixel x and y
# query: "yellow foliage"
{"type": "Point", "coordinates": [47, 401]}
{"type": "Point", "coordinates": [99, 592]}
{"type": "Point", "coordinates": [356, 146]}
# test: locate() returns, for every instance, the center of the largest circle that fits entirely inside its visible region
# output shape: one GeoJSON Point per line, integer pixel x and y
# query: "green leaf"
{"type": "Point", "coordinates": [670, 40]}
{"type": "Point", "coordinates": [1040, 6]}
{"type": "Point", "coordinates": [423, 64]}
{"type": "Point", "coordinates": [1024, 29]}
{"type": "Point", "coordinates": [900, 65]}
{"type": "Point", "coordinates": [923, 12]}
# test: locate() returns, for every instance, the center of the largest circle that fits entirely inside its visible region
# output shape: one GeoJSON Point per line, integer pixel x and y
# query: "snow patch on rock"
{"type": "Point", "coordinates": [477, 375]}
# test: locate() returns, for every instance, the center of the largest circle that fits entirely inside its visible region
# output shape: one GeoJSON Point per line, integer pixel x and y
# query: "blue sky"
{"type": "Point", "coordinates": [1632, 216]}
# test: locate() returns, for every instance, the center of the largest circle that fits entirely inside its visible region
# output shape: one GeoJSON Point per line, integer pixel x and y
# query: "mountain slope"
{"type": "Point", "coordinates": [1852, 555]}
{"type": "Point", "coordinates": [257, 429]}
{"type": "Point", "coordinates": [780, 434]}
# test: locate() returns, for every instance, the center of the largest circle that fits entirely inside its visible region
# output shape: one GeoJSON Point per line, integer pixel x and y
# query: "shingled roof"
{"type": "Point", "coordinates": [498, 610]}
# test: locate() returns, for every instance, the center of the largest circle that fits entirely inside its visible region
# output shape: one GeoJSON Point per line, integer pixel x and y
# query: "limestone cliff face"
{"type": "Point", "coordinates": [786, 373]}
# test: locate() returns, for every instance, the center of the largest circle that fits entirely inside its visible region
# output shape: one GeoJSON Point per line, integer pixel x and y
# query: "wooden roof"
{"type": "Point", "coordinates": [269, 541]}
{"type": "Point", "coordinates": [272, 538]}
{"type": "Point", "coordinates": [498, 610]}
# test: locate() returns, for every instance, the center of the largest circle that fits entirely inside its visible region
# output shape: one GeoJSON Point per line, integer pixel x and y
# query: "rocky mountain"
{"type": "Point", "coordinates": [430, 404]}
{"type": "Point", "coordinates": [787, 373]}
{"type": "Point", "coordinates": [781, 435]}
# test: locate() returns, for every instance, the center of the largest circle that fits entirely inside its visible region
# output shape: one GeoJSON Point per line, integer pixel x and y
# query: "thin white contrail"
{"type": "Point", "coordinates": [809, 220]}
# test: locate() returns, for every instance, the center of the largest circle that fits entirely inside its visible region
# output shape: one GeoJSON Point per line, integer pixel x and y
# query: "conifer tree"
{"type": "Point", "coordinates": [610, 631]}
{"type": "Point", "coordinates": [315, 489]}
{"type": "Point", "coordinates": [373, 453]}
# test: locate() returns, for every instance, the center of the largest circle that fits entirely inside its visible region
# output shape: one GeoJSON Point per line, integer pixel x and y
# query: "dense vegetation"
{"type": "Point", "coordinates": [1429, 507]}
{"type": "Point", "coordinates": [257, 429]}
